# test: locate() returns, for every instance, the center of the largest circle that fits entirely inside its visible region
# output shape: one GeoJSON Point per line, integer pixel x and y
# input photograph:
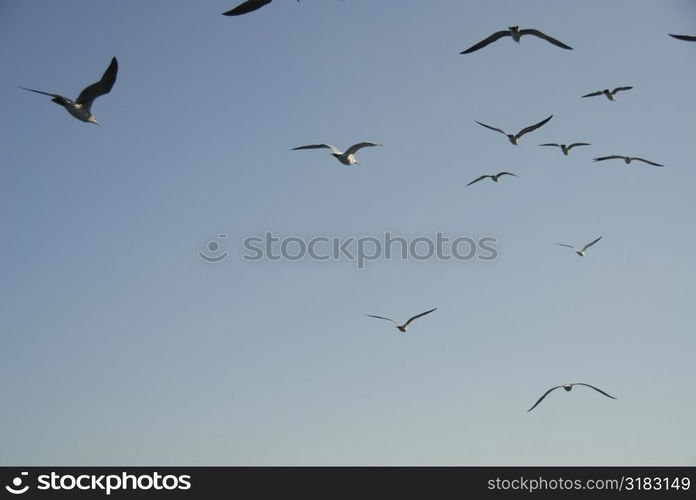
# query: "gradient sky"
{"type": "Point", "coordinates": [119, 345]}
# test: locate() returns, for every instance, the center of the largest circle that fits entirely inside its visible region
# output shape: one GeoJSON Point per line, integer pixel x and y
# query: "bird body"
{"type": "Point", "coordinates": [514, 139]}
{"type": "Point", "coordinates": [580, 251]}
{"type": "Point", "coordinates": [404, 327]}
{"type": "Point", "coordinates": [566, 148]}
{"type": "Point", "coordinates": [567, 388]}
{"type": "Point", "coordinates": [516, 34]}
{"type": "Point", "coordinates": [609, 94]}
{"type": "Point", "coordinates": [628, 159]}
{"type": "Point", "coordinates": [81, 108]}
{"type": "Point", "coordinates": [347, 157]}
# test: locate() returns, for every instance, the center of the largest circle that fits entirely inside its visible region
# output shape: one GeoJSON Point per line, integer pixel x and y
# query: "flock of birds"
{"type": "Point", "coordinates": [81, 108]}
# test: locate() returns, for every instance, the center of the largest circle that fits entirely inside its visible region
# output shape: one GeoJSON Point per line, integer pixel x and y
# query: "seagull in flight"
{"type": "Point", "coordinates": [81, 108]}
{"type": "Point", "coordinates": [347, 158]}
{"type": "Point", "coordinates": [628, 159]}
{"type": "Point", "coordinates": [610, 94]}
{"type": "Point", "coordinates": [516, 33]}
{"type": "Point", "coordinates": [515, 138]}
{"type": "Point", "coordinates": [404, 327]}
{"type": "Point", "coordinates": [581, 252]}
{"type": "Point", "coordinates": [564, 148]}
{"type": "Point", "coordinates": [246, 7]}
{"type": "Point", "coordinates": [494, 177]}
{"type": "Point", "coordinates": [568, 387]}
{"type": "Point", "coordinates": [687, 38]}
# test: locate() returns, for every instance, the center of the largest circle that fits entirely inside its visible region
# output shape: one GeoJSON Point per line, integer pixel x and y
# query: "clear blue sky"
{"type": "Point", "coordinates": [120, 346]}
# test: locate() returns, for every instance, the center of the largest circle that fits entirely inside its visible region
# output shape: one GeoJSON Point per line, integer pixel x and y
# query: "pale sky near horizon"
{"type": "Point", "coordinates": [119, 345]}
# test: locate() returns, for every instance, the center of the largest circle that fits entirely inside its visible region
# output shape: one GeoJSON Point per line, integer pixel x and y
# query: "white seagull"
{"type": "Point", "coordinates": [583, 251]}
{"type": "Point", "coordinates": [347, 158]}
{"type": "Point", "coordinates": [516, 33]}
{"type": "Point", "coordinates": [628, 159]}
{"type": "Point", "coordinates": [686, 38]}
{"type": "Point", "coordinates": [246, 7]}
{"type": "Point", "coordinates": [494, 177]}
{"type": "Point", "coordinates": [564, 148]}
{"type": "Point", "coordinates": [81, 108]}
{"type": "Point", "coordinates": [404, 327]}
{"type": "Point", "coordinates": [568, 387]}
{"type": "Point", "coordinates": [610, 94]}
{"type": "Point", "coordinates": [515, 138]}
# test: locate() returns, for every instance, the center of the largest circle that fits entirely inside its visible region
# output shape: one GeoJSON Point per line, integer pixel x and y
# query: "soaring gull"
{"type": "Point", "coordinates": [628, 159]}
{"type": "Point", "coordinates": [566, 149]}
{"type": "Point", "coordinates": [610, 94]}
{"type": "Point", "coordinates": [81, 108]}
{"type": "Point", "coordinates": [568, 387]}
{"type": "Point", "coordinates": [516, 33]}
{"type": "Point", "coordinates": [493, 177]}
{"type": "Point", "coordinates": [404, 327]}
{"type": "Point", "coordinates": [583, 251]}
{"type": "Point", "coordinates": [515, 138]}
{"type": "Point", "coordinates": [347, 158]}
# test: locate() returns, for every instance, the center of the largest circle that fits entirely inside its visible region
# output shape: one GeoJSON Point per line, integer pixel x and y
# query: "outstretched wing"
{"type": "Point", "coordinates": [495, 36]}
{"type": "Point", "coordinates": [492, 128]}
{"type": "Point", "coordinates": [500, 174]}
{"type": "Point", "coordinates": [103, 86]}
{"type": "Point", "coordinates": [382, 317]}
{"type": "Point", "coordinates": [546, 37]}
{"type": "Point", "coordinates": [571, 146]}
{"type": "Point", "coordinates": [687, 38]}
{"type": "Point", "coordinates": [532, 127]}
{"type": "Point", "coordinates": [478, 179]}
{"type": "Point", "coordinates": [612, 157]}
{"type": "Point", "coordinates": [593, 387]}
{"type": "Point", "coordinates": [551, 144]}
{"type": "Point", "coordinates": [590, 244]}
{"type": "Point", "coordinates": [56, 98]}
{"type": "Point", "coordinates": [647, 161]}
{"type": "Point", "coordinates": [246, 7]}
{"type": "Point", "coordinates": [543, 396]}
{"type": "Point", "coordinates": [564, 245]}
{"type": "Point", "coordinates": [418, 316]}
{"type": "Point", "coordinates": [355, 147]}
{"type": "Point", "coordinates": [619, 89]}
{"type": "Point", "coordinates": [319, 146]}
{"type": "Point", "coordinates": [599, 92]}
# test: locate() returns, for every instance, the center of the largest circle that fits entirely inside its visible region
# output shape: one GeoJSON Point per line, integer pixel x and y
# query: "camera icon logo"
{"type": "Point", "coordinates": [212, 248]}
{"type": "Point", "coordinates": [16, 488]}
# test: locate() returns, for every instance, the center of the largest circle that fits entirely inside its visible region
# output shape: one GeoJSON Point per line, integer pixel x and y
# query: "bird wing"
{"type": "Point", "coordinates": [564, 245]}
{"type": "Point", "coordinates": [382, 317]}
{"type": "Point", "coordinates": [506, 173]}
{"type": "Point", "coordinates": [543, 396]}
{"type": "Point", "coordinates": [551, 144]}
{"type": "Point", "coordinates": [495, 36]}
{"type": "Point", "coordinates": [687, 38]}
{"type": "Point", "coordinates": [599, 92]}
{"type": "Point", "coordinates": [56, 98]}
{"type": "Point", "coordinates": [612, 157]}
{"type": "Point", "coordinates": [532, 127]}
{"type": "Point", "coordinates": [355, 147]}
{"type": "Point", "coordinates": [478, 179]}
{"type": "Point", "coordinates": [571, 146]}
{"type": "Point", "coordinates": [619, 89]}
{"type": "Point", "coordinates": [546, 37]}
{"type": "Point", "coordinates": [647, 161]}
{"type": "Point", "coordinates": [418, 316]}
{"type": "Point", "coordinates": [103, 86]}
{"type": "Point", "coordinates": [246, 7]}
{"type": "Point", "coordinates": [492, 128]}
{"type": "Point", "coordinates": [590, 244]}
{"type": "Point", "coordinates": [319, 146]}
{"type": "Point", "coordinates": [593, 387]}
